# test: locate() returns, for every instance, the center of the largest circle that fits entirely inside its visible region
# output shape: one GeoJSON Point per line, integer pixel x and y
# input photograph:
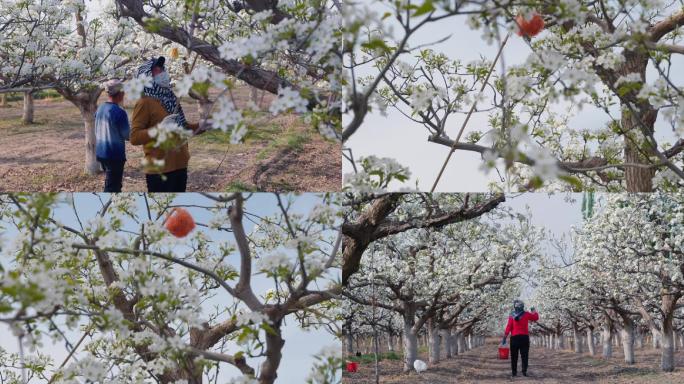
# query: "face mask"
{"type": "Point", "coordinates": [163, 80]}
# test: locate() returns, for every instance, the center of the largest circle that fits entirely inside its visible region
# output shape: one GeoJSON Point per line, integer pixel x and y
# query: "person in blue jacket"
{"type": "Point", "coordinates": [112, 130]}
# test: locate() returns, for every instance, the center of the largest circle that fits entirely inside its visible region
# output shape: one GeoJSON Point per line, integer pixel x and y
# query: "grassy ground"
{"type": "Point", "coordinates": [482, 366]}
{"type": "Point", "coordinates": [280, 154]}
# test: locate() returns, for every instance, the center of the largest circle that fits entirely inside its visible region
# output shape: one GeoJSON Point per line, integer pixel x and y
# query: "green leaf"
{"type": "Point", "coordinates": [425, 8]}
{"type": "Point", "coordinates": [572, 180]}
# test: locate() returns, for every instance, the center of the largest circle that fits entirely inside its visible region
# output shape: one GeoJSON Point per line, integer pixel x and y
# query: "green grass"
{"type": "Point", "coordinates": [291, 140]}
{"type": "Point", "coordinates": [44, 94]}
{"type": "Point", "coordinates": [269, 133]}
{"type": "Point", "coordinates": [214, 136]}
{"type": "Point", "coordinates": [370, 358]}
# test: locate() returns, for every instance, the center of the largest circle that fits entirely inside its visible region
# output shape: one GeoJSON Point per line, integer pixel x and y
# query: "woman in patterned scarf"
{"type": "Point", "coordinates": [155, 68]}
{"type": "Point", "coordinates": [158, 102]}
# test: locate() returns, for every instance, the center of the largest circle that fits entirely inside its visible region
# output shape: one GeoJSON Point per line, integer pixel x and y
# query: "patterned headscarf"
{"type": "Point", "coordinates": [518, 309]}
{"type": "Point", "coordinates": [165, 95]}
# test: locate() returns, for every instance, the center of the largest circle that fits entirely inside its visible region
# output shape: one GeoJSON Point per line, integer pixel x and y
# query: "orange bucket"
{"type": "Point", "coordinates": [503, 353]}
{"type": "Point", "coordinates": [352, 366]}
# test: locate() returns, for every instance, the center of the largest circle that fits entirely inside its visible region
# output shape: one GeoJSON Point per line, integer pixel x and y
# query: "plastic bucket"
{"type": "Point", "coordinates": [352, 366]}
{"type": "Point", "coordinates": [503, 353]}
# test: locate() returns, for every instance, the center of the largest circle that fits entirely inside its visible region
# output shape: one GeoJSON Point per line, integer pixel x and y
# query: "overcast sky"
{"type": "Point", "coordinates": [397, 137]}
{"type": "Point", "coordinates": [300, 346]}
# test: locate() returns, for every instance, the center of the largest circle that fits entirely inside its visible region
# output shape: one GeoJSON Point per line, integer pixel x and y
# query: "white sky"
{"type": "Point", "coordinates": [300, 346]}
{"type": "Point", "coordinates": [397, 137]}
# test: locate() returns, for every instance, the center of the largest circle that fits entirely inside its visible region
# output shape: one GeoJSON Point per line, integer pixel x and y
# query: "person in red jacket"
{"type": "Point", "coordinates": [517, 327]}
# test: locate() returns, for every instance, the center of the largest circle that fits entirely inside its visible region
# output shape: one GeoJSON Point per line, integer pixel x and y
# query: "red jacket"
{"type": "Point", "coordinates": [519, 327]}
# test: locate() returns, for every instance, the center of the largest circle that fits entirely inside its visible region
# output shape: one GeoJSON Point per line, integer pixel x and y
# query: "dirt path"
{"type": "Point", "coordinates": [281, 154]}
{"type": "Point", "coordinates": [481, 365]}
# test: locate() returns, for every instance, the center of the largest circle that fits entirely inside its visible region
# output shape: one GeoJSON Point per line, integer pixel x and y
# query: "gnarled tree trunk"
{"type": "Point", "coordinates": [634, 122]}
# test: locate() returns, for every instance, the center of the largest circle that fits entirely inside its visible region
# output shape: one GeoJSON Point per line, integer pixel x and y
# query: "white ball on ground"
{"type": "Point", "coordinates": [420, 366]}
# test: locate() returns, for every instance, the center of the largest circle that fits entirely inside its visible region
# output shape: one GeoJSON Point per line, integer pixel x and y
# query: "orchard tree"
{"type": "Point", "coordinates": [636, 241]}
{"type": "Point", "coordinates": [591, 55]}
{"type": "Point", "coordinates": [289, 49]}
{"type": "Point", "coordinates": [372, 217]}
{"type": "Point", "coordinates": [153, 306]}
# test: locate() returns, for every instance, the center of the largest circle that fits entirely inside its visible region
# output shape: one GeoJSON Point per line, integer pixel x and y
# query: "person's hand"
{"type": "Point", "coordinates": [169, 119]}
{"type": "Point", "coordinates": [202, 127]}
{"type": "Point", "coordinates": [503, 341]}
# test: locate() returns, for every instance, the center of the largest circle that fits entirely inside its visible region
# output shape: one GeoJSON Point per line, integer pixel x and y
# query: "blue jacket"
{"type": "Point", "coordinates": [111, 132]}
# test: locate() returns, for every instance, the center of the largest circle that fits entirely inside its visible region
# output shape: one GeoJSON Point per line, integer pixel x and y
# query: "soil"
{"type": "Point", "coordinates": [281, 154]}
{"type": "Point", "coordinates": [482, 366]}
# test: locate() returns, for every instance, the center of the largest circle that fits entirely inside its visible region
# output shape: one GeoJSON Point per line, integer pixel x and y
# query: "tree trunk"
{"type": "Point", "coordinates": [675, 340]}
{"type": "Point", "coordinates": [254, 96]}
{"type": "Point", "coordinates": [637, 179]}
{"type": "Point", "coordinates": [627, 333]}
{"type": "Point", "coordinates": [590, 341]}
{"type": "Point", "coordinates": [667, 353]}
{"type": "Point", "coordinates": [350, 343]}
{"type": "Point", "coordinates": [461, 342]}
{"type": "Point", "coordinates": [655, 337]}
{"type": "Point", "coordinates": [607, 339]}
{"type": "Point", "coordinates": [88, 109]}
{"type": "Point", "coordinates": [274, 347]}
{"type": "Point", "coordinates": [434, 342]}
{"type": "Point", "coordinates": [410, 343]}
{"type": "Point", "coordinates": [576, 338]}
{"type": "Point", "coordinates": [3, 99]}
{"type": "Point", "coordinates": [445, 335]}
{"type": "Point", "coordinates": [390, 342]}
{"type": "Point", "coordinates": [376, 352]}
{"type": "Point", "coordinates": [27, 114]}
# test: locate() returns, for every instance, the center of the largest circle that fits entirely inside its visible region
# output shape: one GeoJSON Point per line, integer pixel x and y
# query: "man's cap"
{"type": "Point", "coordinates": [159, 62]}
{"type": "Point", "coordinates": [112, 87]}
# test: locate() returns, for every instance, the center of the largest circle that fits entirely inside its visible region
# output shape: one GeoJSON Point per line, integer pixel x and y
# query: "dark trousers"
{"type": "Point", "coordinates": [113, 174]}
{"type": "Point", "coordinates": [174, 181]}
{"type": "Point", "coordinates": [519, 343]}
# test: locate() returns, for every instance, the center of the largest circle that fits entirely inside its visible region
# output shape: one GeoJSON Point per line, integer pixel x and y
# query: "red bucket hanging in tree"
{"type": "Point", "coordinates": [530, 27]}
{"type": "Point", "coordinates": [503, 352]}
{"type": "Point", "coordinates": [180, 222]}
